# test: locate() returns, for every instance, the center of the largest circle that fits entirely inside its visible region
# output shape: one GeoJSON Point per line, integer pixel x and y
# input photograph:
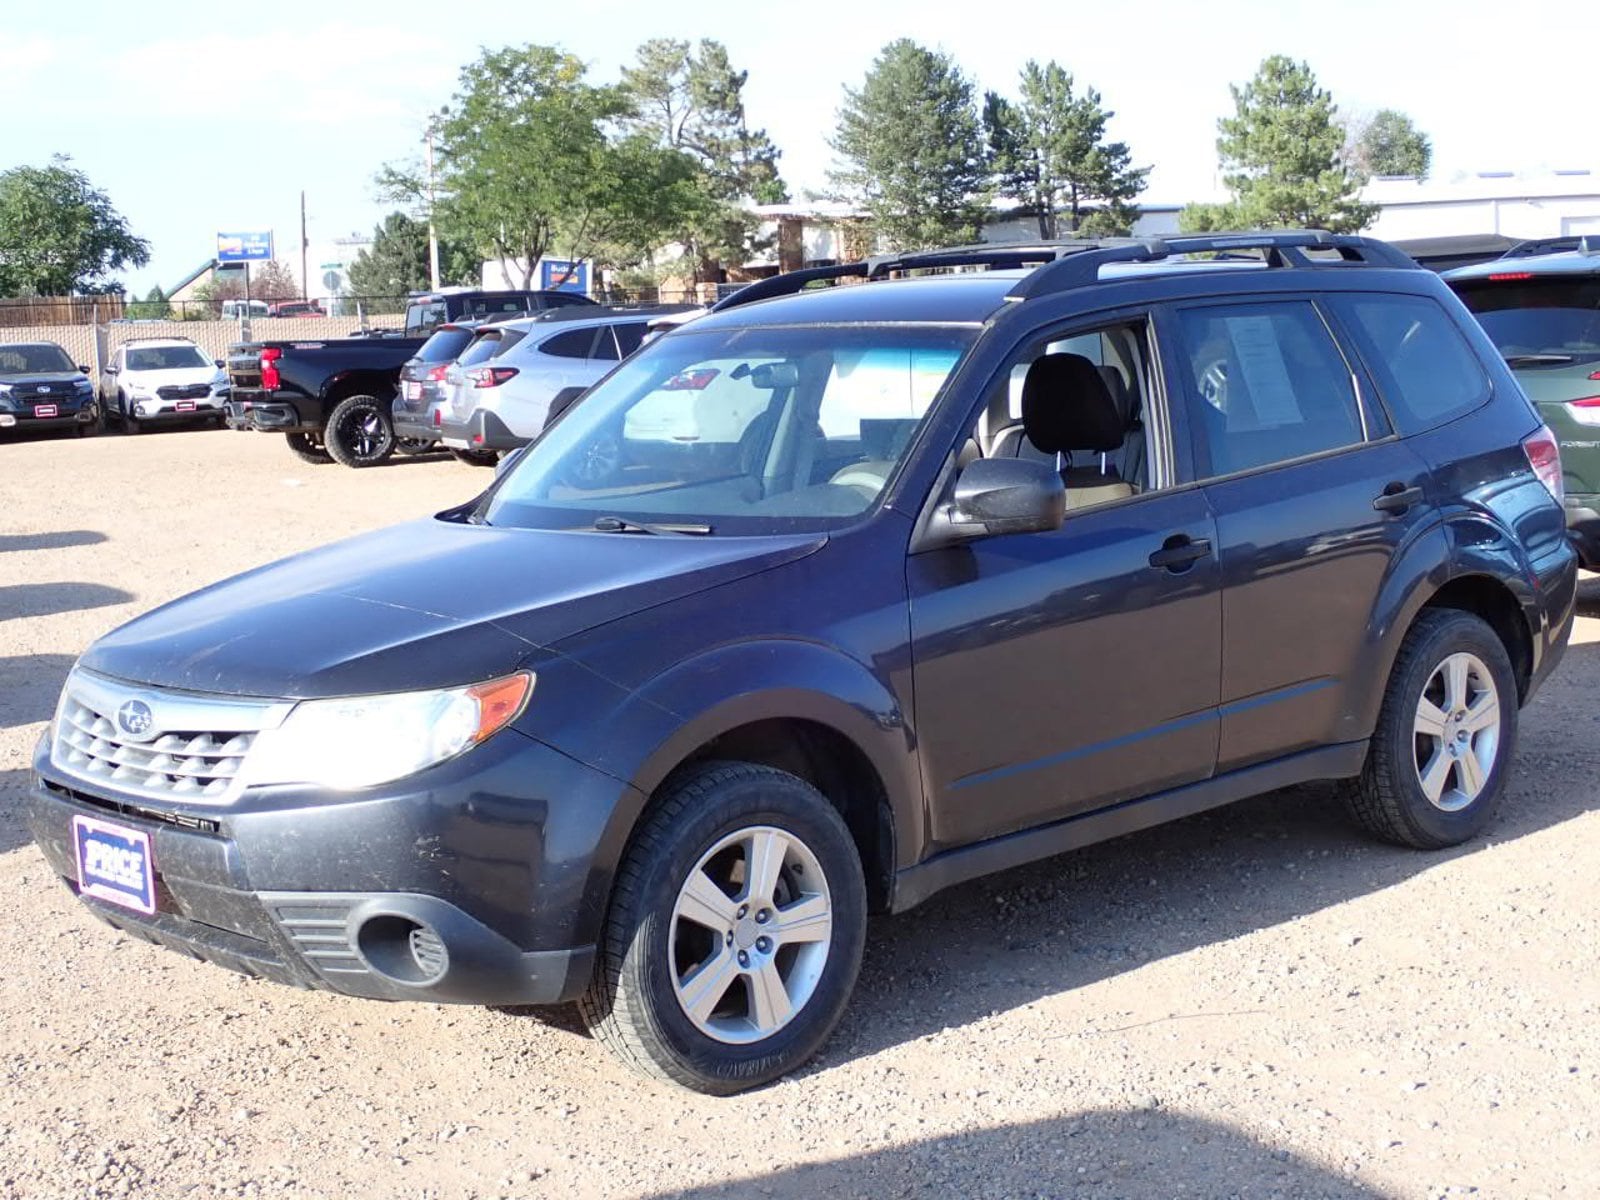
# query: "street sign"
{"type": "Point", "coordinates": [564, 275]}
{"type": "Point", "coordinates": [245, 247]}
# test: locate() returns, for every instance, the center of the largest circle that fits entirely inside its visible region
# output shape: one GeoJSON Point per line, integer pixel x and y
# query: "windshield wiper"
{"type": "Point", "coordinates": [621, 525]}
{"type": "Point", "coordinates": [1528, 360]}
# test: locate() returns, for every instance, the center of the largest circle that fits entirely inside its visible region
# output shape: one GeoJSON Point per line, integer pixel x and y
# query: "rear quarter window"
{"type": "Point", "coordinates": [1422, 364]}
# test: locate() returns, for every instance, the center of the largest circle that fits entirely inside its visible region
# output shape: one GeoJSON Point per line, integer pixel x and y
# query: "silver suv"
{"type": "Point", "coordinates": [498, 393]}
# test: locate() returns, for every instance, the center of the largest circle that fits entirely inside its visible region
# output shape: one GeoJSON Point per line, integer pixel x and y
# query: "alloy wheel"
{"type": "Point", "coordinates": [750, 934]}
{"type": "Point", "coordinates": [1457, 732]}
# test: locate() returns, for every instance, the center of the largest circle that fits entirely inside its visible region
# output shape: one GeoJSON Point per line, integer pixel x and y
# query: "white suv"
{"type": "Point", "coordinates": [162, 379]}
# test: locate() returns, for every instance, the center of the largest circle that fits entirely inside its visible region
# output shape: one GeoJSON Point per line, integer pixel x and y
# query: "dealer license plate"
{"type": "Point", "coordinates": [185, 405]}
{"type": "Point", "coordinates": [45, 410]}
{"type": "Point", "coordinates": [114, 863]}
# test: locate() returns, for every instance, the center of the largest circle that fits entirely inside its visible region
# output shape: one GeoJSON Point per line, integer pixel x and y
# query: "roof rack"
{"type": "Point", "coordinates": [1076, 263]}
{"type": "Point", "coordinates": [1281, 248]}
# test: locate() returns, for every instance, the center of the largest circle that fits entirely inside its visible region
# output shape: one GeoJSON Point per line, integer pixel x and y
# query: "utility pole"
{"type": "Point", "coordinates": [433, 237]}
{"type": "Point", "coordinates": [305, 280]}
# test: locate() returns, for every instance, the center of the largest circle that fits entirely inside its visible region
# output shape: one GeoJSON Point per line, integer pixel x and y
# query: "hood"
{"type": "Point", "coordinates": [174, 377]}
{"type": "Point", "coordinates": [11, 377]}
{"type": "Point", "coordinates": [426, 604]}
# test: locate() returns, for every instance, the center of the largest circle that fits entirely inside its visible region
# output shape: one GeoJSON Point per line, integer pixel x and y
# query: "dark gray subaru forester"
{"type": "Point", "coordinates": [832, 598]}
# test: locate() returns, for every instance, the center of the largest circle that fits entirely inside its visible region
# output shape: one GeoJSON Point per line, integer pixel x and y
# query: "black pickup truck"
{"type": "Point", "coordinates": [330, 397]}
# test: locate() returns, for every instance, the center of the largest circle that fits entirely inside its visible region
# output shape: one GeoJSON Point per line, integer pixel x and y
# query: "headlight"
{"type": "Point", "coordinates": [360, 741]}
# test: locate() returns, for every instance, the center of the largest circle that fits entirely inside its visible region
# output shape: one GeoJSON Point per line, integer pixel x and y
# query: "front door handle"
{"type": "Point", "coordinates": [1397, 497]}
{"type": "Point", "coordinates": [1180, 552]}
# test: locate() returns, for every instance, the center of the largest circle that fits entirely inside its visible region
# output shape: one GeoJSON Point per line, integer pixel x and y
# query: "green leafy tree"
{"type": "Point", "coordinates": [397, 261]}
{"type": "Point", "coordinates": [1282, 157]}
{"type": "Point", "coordinates": [1390, 144]}
{"type": "Point", "coordinates": [59, 234]}
{"type": "Point", "coordinates": [526, 169]}
{"type": "Point", "coordinates": [691, 100]}
{"type": "Point", "coordinates": [911, 149]}
{"type": "Point", "coordinates": [1050, 154]}
{"type": "Point", "coordinates": [153, 307]}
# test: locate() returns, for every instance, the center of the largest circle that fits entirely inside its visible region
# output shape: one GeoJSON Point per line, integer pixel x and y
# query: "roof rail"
{"type": "Point", "coordinates": [1283, 248]}
{"type": "Point", "coordinates": [995, 255]}
{"type": "Point", "coordinates": [1075, 263]}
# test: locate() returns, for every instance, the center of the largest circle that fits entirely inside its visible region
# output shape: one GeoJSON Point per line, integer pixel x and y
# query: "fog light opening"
{"type": "Point", "coordinates": [402, 949]}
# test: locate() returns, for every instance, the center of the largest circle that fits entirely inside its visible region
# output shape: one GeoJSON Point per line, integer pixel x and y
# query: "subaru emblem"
{"type": "Point", "coordinates": [135, 718]}
{"type": "Point", "coordinates": [44, 387]}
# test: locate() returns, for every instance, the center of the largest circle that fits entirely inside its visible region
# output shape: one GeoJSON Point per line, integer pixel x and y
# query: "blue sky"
{"type": "Point", "coordinates": [197, 117]}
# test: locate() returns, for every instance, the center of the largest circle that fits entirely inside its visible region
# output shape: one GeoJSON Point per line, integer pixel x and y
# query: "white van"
{"type": "Point", "coordinates": [232, 310]}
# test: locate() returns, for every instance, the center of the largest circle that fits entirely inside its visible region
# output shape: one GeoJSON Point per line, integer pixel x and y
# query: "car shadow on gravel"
{"type": "Point", "coordinates": [19, 600]}
{"type": "Point", "coordinates": [13, 833]}
{"type": "Point", "coordinates": [29, 687]}
{"type": "Point", "coordinates": [1066, 922]}
{"type": "Point", "coordinates": [1129, 1155]}
{"type": "Point", "coordinates": [56, 539]}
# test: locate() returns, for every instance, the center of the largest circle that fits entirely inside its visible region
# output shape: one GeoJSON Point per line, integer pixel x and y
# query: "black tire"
{"type": "Point", "coordinates": [476, 458]}
{"type": "Point", "coordinates": [359, 433]}
{"type": "Point", "coordinates": [102, 416]}
{"type": "Point", "coordinates": [632, 1005]}
{"type": "Point", "coordinates": [308, 448]}
{"type": "Point", "coordinates": [410, 446]}
{"type": "Point", "coordinates": [1388, 799]}
{"type": "Point", "coordinates": [130, 423]}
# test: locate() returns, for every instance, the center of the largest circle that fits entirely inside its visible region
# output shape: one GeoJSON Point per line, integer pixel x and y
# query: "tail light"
{"type": "Point", "coordinates": [1510, 276]}
{"type": "Point", "coordinates": [438, 418]}
{"type": "Point", "coordinates": [270, 379]}
{"type": "Point", "coordinates": [437, 374]}
{"type": "Point", "coordinates": [1545, 459]}
{"type": "Point", "coordinates": [1585, 411]}
{"type": "Point", "coordinates": [488, 377]}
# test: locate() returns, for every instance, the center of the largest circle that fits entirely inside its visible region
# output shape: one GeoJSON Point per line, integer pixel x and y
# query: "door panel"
{"type": "Point", "coordinates": [1057, 673]}
{"type": "Point", "coordinates": [1304, 558]}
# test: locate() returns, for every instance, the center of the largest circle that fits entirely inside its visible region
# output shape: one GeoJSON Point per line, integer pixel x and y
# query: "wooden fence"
{"type": "Point", "coordinates": [59, 310]}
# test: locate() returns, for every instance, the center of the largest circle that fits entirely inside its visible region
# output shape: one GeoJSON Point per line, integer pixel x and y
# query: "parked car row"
{"type": "Point", "coordinates": [147, 381]}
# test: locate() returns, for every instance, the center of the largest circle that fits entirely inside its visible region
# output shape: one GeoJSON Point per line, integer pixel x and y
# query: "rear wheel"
{"type": "Point", "coordinates": [412, 445]}
{"type": "Point", "coordinates": [476, 458]}
{"type": "Point", "coordinates": [1437, 765]}
{"type": "Point", "coordinates": [359, 433]}
{"type": "Point", "coordinates": [735, 932]}
{"type": "Point", "coordinates": [308, 447]}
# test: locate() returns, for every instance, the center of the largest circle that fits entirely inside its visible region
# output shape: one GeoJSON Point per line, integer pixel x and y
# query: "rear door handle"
{"type": "Point", "coordinates": [1179, 552]}
{"type": "Point", "coordinates": [1397, 497]}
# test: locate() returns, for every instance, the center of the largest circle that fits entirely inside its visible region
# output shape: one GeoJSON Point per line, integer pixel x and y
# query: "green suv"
{"type": "Point", "coordinates": [1541, 306]}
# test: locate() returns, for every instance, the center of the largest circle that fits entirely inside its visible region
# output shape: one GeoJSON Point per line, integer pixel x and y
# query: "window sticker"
{"type": "Point", "coordinates": [1259, 353]}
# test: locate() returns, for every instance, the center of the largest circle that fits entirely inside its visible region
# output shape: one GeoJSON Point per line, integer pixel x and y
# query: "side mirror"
{"type": "Point", "coordinates": [82, 370]}
{"type": "Point", "coordinates": [563, 400]}
{"type": "Point", "coordinates": [219, 362]}
{"type": "Point", "coordinates": [1005, 495]}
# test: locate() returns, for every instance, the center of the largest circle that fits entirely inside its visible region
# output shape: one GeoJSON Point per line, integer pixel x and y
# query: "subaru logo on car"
{"type": "Point", "coordinates": [44, 387]}
{"type": "Point", "coordinates": [135, 718]}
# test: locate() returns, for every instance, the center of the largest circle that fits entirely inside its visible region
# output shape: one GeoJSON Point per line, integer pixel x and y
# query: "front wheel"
{"type": "Point", "coordinates": [1437, 765]}
{"type": "Point", "coordinates": [359, 433]}
{"type": "Point", "coordinates": [735, 932]}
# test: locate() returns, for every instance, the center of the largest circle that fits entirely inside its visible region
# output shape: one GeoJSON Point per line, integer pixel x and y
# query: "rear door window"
{"type": "Point", "coordinates": [630, 336]}
{"type": "Point", "coordinates": [1267, 385]}
{"type": "Point", "coordinates": [570, 343]}
{"type": "Point", "coordinates": [425, 316]}
{"type": "Point", "coordinates": [1422, 364]}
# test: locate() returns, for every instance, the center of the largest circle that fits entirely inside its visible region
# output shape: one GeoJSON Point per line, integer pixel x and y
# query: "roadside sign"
{"type": "Point", "coordinates": [564, 275]}
{"type": "Point", "coordinates": [245, 247]}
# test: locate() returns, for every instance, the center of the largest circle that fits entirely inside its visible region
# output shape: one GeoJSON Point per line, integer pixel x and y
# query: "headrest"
{"type": "Point", "coordinates": [1066, 406]}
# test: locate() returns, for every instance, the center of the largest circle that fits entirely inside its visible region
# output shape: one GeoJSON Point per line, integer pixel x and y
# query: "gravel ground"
{"type": "Point", "coordinates": [1252, 1003]}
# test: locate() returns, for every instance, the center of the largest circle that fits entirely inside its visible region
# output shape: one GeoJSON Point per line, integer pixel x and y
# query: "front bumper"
{"type": "Point", "coordinates": [26, 422]}
{"type": "Point", "coordinates": [321, 890]}
{"type": "Point", "coordinates": [158, 410]}
{"type": "Point", "coordinates": [482, 430]}
{"type": "Point", "coordinates": [1583, 527]}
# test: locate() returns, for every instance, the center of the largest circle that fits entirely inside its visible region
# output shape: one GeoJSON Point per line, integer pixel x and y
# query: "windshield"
{"type": "Point", "coordinates": [1553, 320]}
{"type": "Point", "coordinates": [754, 430]}
{"type": "Point", "coordinates": [24, 360]}
{"type": "Point", "coordinates": [166, 358]}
